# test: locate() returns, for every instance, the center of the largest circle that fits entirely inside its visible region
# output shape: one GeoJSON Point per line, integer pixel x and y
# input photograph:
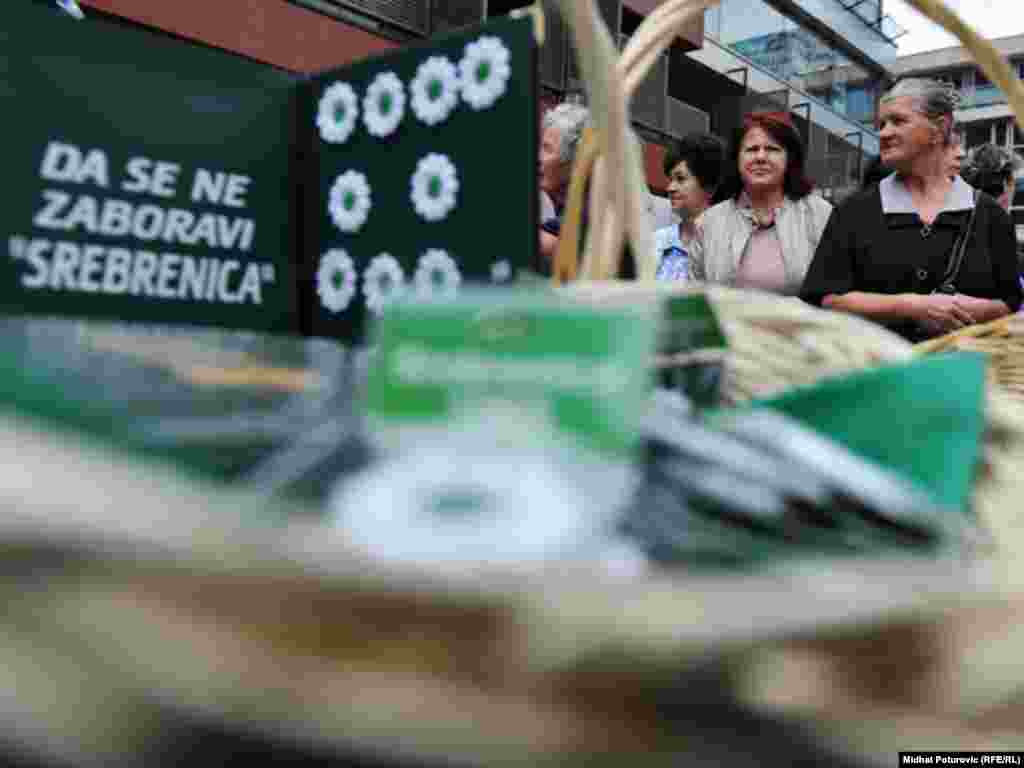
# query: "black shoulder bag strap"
{"type": "Point", "coordinates": [956, 256]}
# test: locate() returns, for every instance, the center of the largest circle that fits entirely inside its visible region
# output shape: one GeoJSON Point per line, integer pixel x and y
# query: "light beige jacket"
{"type": "Point", "coordinates": [724, 230]}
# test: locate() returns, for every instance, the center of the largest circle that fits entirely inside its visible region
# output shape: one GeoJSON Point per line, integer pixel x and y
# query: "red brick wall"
{"type": "Point", "coordinates": [271, 31]}
{"type": "Point", "coordinates": [654, 155]}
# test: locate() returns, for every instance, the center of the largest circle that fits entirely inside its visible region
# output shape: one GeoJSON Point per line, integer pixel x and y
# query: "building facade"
{"type": "Point", "coordinates": [818, 59]}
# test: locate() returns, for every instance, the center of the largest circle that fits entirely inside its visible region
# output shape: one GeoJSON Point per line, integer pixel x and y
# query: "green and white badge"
{"type": "Point", "coordinates": [507, 423]}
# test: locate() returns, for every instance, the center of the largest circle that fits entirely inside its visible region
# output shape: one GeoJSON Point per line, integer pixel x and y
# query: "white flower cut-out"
{"type": "Point", "coordinates": [434, 187]}
{"type": "Point", "coordinates": [435, 90]}
{"type": "Point", "coordinates": [437, 276]}
{"type": "Point", "coordinates": [501, 271]}
{"type": "Point", "coordinates": [484, 72]}
{"type": "Point", "coordinates": [336, 280]}
{"type": "Point", "coordinates": [384, 104]}
{"type": "Point", "coordinates": [383, 282]}
{"type": "Point", "coordinates": [337, 113]}
{"type": "Point", "coordinates": [349, 203]}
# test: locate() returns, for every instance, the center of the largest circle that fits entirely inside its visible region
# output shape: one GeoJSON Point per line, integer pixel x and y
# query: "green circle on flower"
{"type": "Point", "coordinates": [483, 71]}
{"type": "Point", "coordinates": [339, 112]}
{"type": "Point", "coordinates": [434, 186]}
{"type": "Point", "coordinates": [385, 102]}
{"type": "Point", "coordinates": [338, 279]}
{"type": "Point", "coordinates": [435, 89]}
{"type": "Point", "coordinates": [459, 504]}
{"type": "Point", "coordinates": [348, 202]}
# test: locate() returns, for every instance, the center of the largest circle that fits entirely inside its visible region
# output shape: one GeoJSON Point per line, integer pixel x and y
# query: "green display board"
{"type": "Point", "coordinates": [422, 174]}
{"type": "Point", "coordinates": [147, 178]}
{"type": "Point", "coordinates": [154, 180]}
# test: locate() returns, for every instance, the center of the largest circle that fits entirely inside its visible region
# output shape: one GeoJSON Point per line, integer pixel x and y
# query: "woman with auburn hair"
{"type": "Point", "coordinates": [764, 234]}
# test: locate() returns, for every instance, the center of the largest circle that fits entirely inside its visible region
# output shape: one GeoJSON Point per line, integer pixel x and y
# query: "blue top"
{"type": "Point", "coordinates": [673, 258]}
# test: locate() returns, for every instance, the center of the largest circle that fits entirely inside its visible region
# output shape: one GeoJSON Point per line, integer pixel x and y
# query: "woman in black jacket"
{"type": "Point", "coordinates": [890, 253]}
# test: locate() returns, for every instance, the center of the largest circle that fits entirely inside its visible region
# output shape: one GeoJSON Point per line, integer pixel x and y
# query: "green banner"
{"type": "Point", "coordinates": [147, 178]}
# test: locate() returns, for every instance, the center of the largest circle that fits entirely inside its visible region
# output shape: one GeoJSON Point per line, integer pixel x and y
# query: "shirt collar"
{"type": "Point", "coordinates": [744, 203]}
{"type": "Point", "coordinates": [896, 197]}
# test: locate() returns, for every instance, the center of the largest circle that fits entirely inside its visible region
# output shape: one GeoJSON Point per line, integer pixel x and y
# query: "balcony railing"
{"type": "Point", "coordinates": [871, 14]}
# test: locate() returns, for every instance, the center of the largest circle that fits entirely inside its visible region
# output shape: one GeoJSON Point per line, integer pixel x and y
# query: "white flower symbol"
{"type": "Point", "coordinates": [337, 113]}
{"type": "Point", "coordinates": [384, 104]}
{"type": "Point", "coordinates": [501, 271]}
{"type": "Point", "coordinates": [383, 282]}
{"type": "Point", "coordinates": [349, 203]}
{"type": "Point", "coordinates": [437, 275]}
{"type": "Point", "coordinates": [336, 280]}
{"type": "Point", "coordinates": [435, 90]}
{"type": "Point", "coordinates": [484, 72]}
{"type": "Point", "coordinates": [434, 187]}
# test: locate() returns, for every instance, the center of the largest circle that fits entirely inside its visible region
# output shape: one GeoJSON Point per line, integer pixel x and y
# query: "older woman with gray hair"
{"type": "Point", "coordinates": [991, 169]}
{"type": "Point", "coordinates": [561, 130]}
{"type": "Point", "coordinates": [921, 252]}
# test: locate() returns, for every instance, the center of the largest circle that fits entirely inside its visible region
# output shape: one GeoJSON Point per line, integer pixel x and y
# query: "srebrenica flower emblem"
{"type": "Point", "coordinates": [383, 282]}
{"type": "Point", "coordinates": [437, 276]}
{"type": "Point", "coordinates": [349, 203]}
{"type": "Point", "coordinates": [501, 271]}
{"type": "Point", "coordinates": [337, 113]}
{"type": "Point", "coordinates": [434, 187]}
{"type": "Point", "coordinates": [336, 280]}
{"type": "Point", "coordinates": [384, 104]}
{"type": "Point", "coordinates": [484, 72]}
{"type": "Point", "coordinates": [435, 90]}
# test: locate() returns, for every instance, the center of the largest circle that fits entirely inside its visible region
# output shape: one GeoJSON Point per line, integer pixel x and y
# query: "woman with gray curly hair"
{"type": "Point", "coordinates": [920, 252]}
{"type": "Point", "coordinates": [991, 169]}
{"type": "Point", "coordinates": [561, 131]}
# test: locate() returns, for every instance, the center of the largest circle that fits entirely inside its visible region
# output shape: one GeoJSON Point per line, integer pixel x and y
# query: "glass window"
{"type": "Point", "coordinates": [776, 43]}
{"type": "Point", "coordinates": [860, 103]}
{"type": "Point", "coordinates": [985, 93]}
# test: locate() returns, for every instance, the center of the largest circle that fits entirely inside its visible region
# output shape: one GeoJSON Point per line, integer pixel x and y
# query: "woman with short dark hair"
{"type": "Point", "coordinates": [693, 166]}
{"type": "Point", "coordinates": [763, 235]}
{"type": "Point", "coordinates": [920, 252]}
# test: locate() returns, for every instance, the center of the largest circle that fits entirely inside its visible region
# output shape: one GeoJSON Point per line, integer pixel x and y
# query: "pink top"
{"type": "Point", "coordinates": [761, 267]}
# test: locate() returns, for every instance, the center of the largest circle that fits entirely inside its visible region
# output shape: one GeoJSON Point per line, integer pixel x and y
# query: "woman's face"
{"type": "Point", "coordinates": [762, 161]}
{"type": "Point", "coordinates": [955, 155]}
{"type": "Point", "coordinates": [553, 172]}
{"type": "Point", "coordinates": [685, 192]}
{"type": "Point", "coordinates": [905, 134]}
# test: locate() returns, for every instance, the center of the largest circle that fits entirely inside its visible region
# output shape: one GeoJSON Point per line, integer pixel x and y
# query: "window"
{"type": "Point", "coordinates": [860, 103]}
{"type": "Point", "coordinates": [985, 93]}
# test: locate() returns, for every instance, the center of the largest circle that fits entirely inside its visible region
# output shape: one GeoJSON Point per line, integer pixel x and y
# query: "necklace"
{"type": "Point", "coordinates": [926, 231]}
{"type": "Point", "coordinates": [763, 218]}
